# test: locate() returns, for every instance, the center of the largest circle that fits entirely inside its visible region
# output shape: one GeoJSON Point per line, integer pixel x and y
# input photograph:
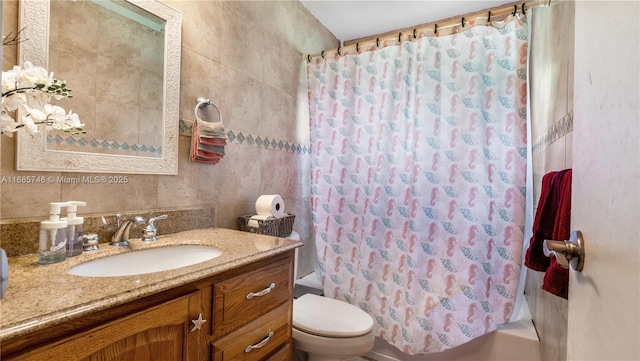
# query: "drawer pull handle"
{"type": "Point", "coordinates": [261, 343]}
{"type": "Point", "coordinates": [261, 293]}
{"type": "Point", "coordinates": [197, 324]}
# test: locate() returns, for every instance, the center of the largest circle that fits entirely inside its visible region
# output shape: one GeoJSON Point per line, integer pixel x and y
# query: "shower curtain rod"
{"type": "Point", "coordinates": [435, 26]}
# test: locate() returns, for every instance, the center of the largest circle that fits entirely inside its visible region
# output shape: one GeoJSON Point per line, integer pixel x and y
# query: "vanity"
{"type": "Point", "coordinates": [237, 305]}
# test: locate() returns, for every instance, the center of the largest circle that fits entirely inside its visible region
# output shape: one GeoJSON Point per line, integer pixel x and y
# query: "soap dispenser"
{"type": "Point", "coordinates": [53, 236]}
{"type": "Point", "coordinates": [74, 229]}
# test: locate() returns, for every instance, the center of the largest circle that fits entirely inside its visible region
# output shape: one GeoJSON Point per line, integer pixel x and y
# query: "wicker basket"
{"type": "Point", "coordinates": [279, 227]}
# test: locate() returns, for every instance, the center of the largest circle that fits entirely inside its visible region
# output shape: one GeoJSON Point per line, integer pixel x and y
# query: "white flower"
{"type": "Point", "coordinates": [11, 103]}
{"type": "Point", "coordinates": [7, 124]}
{"type": "Point", "coordinates": [28, 118]}
{"type": "Point", "coordinates": [28, 91]}
{"type": "Point", "coordinates": [35, 114]}
{"type": "Point", "coordinates": [9, 80]}
{"type": "Point", "coordinates": [73, 121]}
{"type": "Point", "coordinates": [35, 75]}
{"type": "Point", "coordinates": [57, 118]}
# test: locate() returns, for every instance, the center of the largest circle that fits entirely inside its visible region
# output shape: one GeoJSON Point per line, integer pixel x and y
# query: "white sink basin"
{"type": "Point", "coordinates": [146, 261]}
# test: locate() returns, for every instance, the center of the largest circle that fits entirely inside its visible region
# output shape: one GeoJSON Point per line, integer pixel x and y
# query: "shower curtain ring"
{"type": "Point", "coordinates": [322, 54]}
{"type": "Point", "coordinates": [435, 30]}
{"type": "Point", "coordinates": [357, 47]}
{"type": "Point", "coordinates": [463, 21]}
{"type": "Point", "coordinates": [339, 50]}
{"type": "Point", "coordinates": [515, 10]}
{"type": "Point", "coordinates": [489, 17]}
{"type": "Point", "coordinates": [309, 57]}
{"type": "Point", "coordinates": [524, 10]}
{"type": "Point", "coordinates": [377, 42]}
{"type": "Point", "coordinates": [400, 37]}
{"type": "Point", "coordinates": [414, 33]}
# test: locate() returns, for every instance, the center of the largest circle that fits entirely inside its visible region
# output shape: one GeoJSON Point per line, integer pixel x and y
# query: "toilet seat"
{"type": "Point", "coordinates": [328, 317]}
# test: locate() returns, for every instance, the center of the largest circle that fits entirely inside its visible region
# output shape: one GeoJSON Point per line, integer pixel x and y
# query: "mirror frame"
{"type": "Point", "coordinates": [31, 151]}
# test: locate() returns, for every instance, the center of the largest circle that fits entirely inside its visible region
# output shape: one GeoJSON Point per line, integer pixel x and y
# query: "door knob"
{"type": "Point", "coordinates": [567, 252]}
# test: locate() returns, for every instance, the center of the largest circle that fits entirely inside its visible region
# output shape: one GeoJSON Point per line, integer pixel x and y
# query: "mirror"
{"type": "Point", "coordinates": [121, 59]}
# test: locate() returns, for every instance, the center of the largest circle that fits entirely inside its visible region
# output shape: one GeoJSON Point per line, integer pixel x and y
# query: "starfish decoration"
{"type": "Point", "coordinates": [197, 324]}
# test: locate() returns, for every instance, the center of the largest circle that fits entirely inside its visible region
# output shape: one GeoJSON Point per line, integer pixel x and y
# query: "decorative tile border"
{"type": "Point", "coordinates": [558, 130]}
{"type": "Point", "coordinates": [234, 136]}
{"type": "Point", "coordinates": [104, 144]}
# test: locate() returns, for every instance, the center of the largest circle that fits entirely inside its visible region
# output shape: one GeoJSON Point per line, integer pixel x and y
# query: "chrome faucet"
{"type": "Point", "coordinates": [121, 237]}
{"type": "Point", "coordinates": [150, 231]}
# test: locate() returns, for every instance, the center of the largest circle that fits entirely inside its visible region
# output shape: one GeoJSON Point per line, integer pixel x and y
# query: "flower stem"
{"type": "Point", "coordinates": [17, 90]}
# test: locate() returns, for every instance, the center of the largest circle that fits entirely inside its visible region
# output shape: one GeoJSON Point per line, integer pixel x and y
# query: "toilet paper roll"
{"type": "Point", "coordinates": [270, 205]}
{"type": "Point", "coordinates": [253, 221]}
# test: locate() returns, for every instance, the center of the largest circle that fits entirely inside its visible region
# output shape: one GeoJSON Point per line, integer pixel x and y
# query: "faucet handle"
{"type": "Point", "coordinates": [164, 216]}
{"type": "Point", "coordinates": [150, 230]}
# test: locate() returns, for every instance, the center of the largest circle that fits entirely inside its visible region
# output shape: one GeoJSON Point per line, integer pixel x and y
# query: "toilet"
{"type": "Point", "coordinates": [325, 329]}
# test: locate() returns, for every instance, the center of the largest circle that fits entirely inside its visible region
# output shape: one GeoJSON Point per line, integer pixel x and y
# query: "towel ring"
{"type": "Point", "coordinates": [202, 102]}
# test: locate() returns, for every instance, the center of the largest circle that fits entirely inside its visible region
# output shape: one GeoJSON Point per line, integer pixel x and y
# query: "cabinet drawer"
{"type": "Point", "coordinates": [283, 354]}
{"type": "Point", "coordinates": [267, 335]}
{"type": "Point", "coordinates": [241, 299]}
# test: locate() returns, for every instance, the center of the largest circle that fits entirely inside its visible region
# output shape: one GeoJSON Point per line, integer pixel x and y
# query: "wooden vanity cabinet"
{"type": "Point", "coordinates": [159, 333]}
{"type": "Point", "coordinates": [237, 327]}
{"type": "Point", "coordinates": [253, 313]}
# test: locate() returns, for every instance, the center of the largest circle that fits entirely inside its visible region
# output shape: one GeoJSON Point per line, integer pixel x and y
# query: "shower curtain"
{"type": "Point", "coordinates": [418, 182]}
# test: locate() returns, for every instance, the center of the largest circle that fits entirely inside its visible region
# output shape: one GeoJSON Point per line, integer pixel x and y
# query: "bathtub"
{"type": "Point", "coordinates": [514, 341]}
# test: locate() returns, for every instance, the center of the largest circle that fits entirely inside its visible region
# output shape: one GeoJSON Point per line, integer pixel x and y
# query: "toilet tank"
{"type": "Point", "coordinates": [312, 280]}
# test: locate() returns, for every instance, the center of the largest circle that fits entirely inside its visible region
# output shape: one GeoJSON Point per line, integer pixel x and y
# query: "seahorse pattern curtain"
{"type": "Point", "coordinates": [418, 182]}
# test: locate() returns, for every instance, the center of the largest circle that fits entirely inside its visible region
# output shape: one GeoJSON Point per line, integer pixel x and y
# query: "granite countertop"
{"type": "Point", "coordinates": [40, 296]}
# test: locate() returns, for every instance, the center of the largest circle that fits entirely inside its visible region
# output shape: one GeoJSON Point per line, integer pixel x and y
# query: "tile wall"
{"type": "Point", "coordinates": [245, 56]}
{"type": "Point", "coordinates": [551, 86]}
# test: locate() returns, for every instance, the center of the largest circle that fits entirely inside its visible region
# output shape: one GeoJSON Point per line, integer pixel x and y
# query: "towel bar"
{"type": "Point", "coordinates": [202, 102]}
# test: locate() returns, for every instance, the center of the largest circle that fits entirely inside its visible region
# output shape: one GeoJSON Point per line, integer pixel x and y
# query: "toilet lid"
{"type": "Point", "coordinates": [325, 316]}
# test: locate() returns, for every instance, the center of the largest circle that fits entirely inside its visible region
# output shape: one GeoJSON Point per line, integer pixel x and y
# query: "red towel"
{"type": "Point", "coordinates": [551, 222]}
{"type": "Point", "coordinates": [556, 279]}
{"type": "Point", "coordinates": [200, 155]}
{"type": "Point", "coordinates": [542, 224]}
{"type": "Point", "coordinates": [213, 141]}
